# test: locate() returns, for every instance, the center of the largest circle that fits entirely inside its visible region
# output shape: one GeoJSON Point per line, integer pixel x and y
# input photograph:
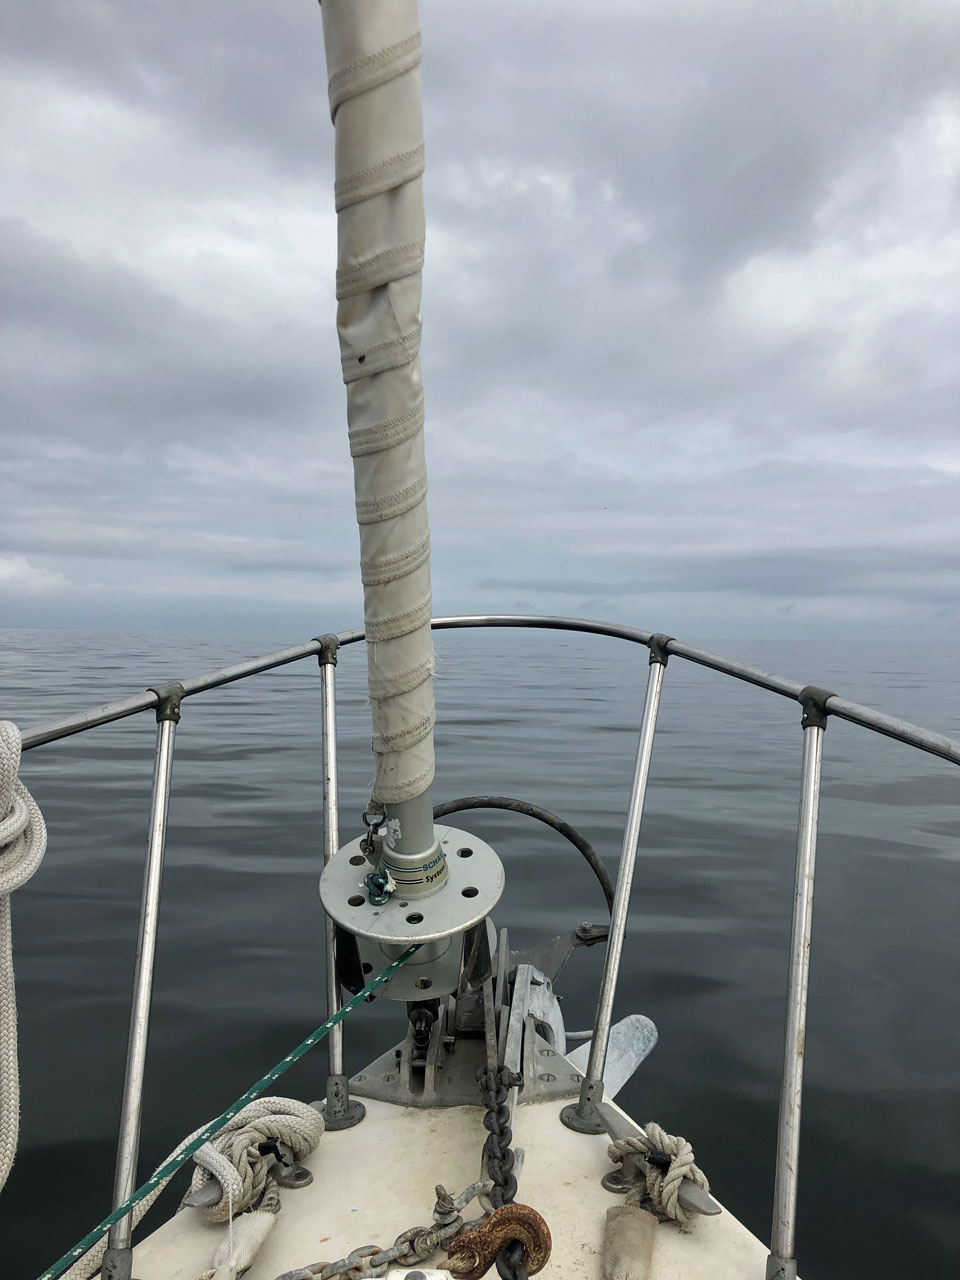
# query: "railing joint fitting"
{"type": "Point", "coordinates": [168, 700]}
{"type": "Point", "coordinates": [327, 654]}
{"type": "Point", "coordinates": [813, 699]}
{"type": "Point", "coordinates": [657, 644]}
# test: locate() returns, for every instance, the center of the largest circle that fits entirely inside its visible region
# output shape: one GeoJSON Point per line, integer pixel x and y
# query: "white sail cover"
{"type": "Point", "coordinates": [373, 59]}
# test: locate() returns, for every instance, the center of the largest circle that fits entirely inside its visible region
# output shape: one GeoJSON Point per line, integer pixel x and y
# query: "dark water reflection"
{"type": "Point", "coordinates": [552, 718]}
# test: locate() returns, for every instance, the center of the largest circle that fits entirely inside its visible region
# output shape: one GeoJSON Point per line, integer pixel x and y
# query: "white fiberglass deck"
{"type": "Point", "coordinates": [377, 1179]}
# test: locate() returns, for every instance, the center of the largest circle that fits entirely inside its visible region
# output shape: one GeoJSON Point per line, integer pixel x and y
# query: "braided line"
{"type": "Point", "coordinates": [663, 1175]}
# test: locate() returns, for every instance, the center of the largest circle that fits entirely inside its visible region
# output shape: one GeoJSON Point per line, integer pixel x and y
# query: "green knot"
{"type": "Point", "coordinates": [377, 892]}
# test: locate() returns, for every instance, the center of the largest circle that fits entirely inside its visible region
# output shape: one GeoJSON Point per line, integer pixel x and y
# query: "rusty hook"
{"type": "Point", "coordinates": [472, 1254]}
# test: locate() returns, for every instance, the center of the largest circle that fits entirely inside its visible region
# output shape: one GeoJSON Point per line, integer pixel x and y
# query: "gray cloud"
{"type": "Point", "coordinates": [96, 339]}
{"type": "Point", "coordinates": [829, 571]}
{"type": "Point", "coordinates": [691, 314]}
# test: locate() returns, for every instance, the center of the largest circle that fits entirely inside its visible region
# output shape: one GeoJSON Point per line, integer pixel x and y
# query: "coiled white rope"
{"type": "Point", "coordinates": [233, 1159]}
{"type": "Point", "coordinates": [250, 1200]}
{"type": "Point", "coordinates": [23, 842]}
{"type": "Point", "coordinates": [661, 1187]}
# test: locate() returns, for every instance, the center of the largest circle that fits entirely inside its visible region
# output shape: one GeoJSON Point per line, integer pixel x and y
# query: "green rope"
{"type": "Point", "coordinates": [175, 1162]}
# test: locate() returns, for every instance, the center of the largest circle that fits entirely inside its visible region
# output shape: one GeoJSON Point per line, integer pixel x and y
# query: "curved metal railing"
{"type": "Point", "coordinates": [913, 735]}
{"type": "Point", "coordinates": [817, 706]}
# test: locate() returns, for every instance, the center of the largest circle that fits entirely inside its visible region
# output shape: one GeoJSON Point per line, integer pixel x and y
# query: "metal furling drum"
{"type": "Point", "coordinates": [385, 902]}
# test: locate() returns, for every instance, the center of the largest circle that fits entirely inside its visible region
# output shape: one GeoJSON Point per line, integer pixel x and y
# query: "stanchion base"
{"type": "Point", "coordinates": [354, 1113]}
{"type": "Point", "coordinates": [338, 1109]}
{"type": "Point", "coordinates": [583, 1119]}
{"type": "Point", "coordinates": [117, 1264]}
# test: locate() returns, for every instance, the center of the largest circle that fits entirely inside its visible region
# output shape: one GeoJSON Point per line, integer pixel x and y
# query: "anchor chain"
{"type": "Point", "coordinates": [412, 1246]}
{"type": "Point", "coordinates": [514, 1236]}
{"type": "Point", "coordinates": [494, 1089]}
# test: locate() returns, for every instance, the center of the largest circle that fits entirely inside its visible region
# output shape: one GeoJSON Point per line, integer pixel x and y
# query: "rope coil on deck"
{"type": "Point", "coordinates": [234, 1157]}
{"type": "Point", "coordinates": [669, 1160]}
{"type": "Point", "coordinates": [231, 1157]}
{"type": "Point", "coordinates": [239, 1159]}
{"type": "Point", "coordinates": [23, 842]}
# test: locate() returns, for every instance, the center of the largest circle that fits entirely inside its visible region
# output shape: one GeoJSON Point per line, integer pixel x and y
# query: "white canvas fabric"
{"type": "Point", "coordinates": [373, 59]}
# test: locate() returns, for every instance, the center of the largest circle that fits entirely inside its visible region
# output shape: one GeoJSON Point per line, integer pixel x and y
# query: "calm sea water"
{"type": "Point", "coordinates": [552, 718]}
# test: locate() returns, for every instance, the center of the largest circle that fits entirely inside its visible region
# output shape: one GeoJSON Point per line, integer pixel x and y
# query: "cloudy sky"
{"type": "Point", "coordinates": [691, 315]}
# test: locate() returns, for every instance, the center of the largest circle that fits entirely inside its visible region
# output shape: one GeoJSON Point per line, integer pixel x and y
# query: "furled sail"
{"type": "Point", "coordinates": [373, 59]}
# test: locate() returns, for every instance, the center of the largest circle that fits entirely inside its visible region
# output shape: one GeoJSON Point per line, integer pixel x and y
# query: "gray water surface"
{"type": "Point", "coordinates": [547, 717]}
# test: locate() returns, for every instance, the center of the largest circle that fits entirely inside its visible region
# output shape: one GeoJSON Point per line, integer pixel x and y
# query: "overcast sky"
{"type": "Point", "coordinates": [691, 339]}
